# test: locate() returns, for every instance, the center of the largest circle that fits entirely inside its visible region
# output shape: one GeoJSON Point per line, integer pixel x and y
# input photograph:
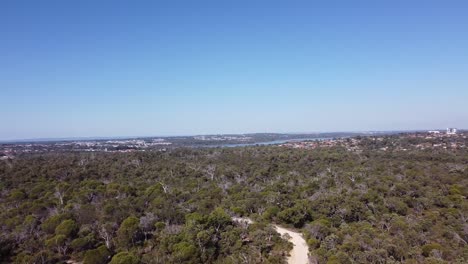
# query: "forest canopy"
{"type": "Point", "coordinates": [176, 206]}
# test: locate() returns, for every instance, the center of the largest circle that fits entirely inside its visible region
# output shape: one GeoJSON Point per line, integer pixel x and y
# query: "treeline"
{"type": "Point", "coordinates": [176, 206]}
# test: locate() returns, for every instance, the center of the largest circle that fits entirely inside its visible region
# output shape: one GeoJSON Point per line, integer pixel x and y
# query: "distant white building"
{"type": "Point", "coordinates": [451, 131]}
{"type": "Point", "coordinates": [434, 131]}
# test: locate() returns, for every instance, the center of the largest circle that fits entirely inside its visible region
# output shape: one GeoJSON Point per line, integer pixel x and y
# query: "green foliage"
{"type": "Point", "coordinates": [67, 228]}
{"type": "Point", "coordinates": [313, 243]}
{"type": "Point", "coordinates": [339, 258]}
{"type": "Point", "coordinates": [128, 233]}
{"type": "Point", "coordinates": [185, 251]}
{"type": "Point", "coordinates": [17, 195]}
{"type": "Point", "coordinates": [428, 248]}
{"type": "Point", "coordinates": [56, 241]}
{"type": "Point", "coordinates": [174, 207]}
{"type": "Point", "coordinates": [99, 255]}
{"type": "Point", "coordinates": [81, 243]}
{"type": "Point", "coordinates": [124, 258]}
{"type": "Point", "coordinates": [159, 225]}
{"type": "Point", "coordinates": [51, 223]}
{"type": "Point", "coordinates": [219, 218]}
{"type": "Point", "coordinates": [296, 216]}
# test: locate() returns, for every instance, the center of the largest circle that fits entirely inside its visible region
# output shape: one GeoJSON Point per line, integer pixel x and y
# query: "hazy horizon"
{"type": "Point", "coordinates": [210, 134]}
{"type": "Point", "coordinates": [107, 69]}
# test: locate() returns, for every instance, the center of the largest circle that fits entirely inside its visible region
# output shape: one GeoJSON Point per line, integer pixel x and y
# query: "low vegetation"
{"type": "Point", "coordinates": [176, 206]}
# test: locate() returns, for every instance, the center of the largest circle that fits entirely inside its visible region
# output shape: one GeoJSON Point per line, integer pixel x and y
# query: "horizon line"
{"type": "Point", "coordinates": [24, 140]}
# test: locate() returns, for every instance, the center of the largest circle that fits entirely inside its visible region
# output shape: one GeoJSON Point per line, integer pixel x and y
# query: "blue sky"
{"type": "Point", "coordinates": [141, 68]}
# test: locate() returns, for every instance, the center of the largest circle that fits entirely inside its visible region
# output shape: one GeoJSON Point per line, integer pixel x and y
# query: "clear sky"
{"type": "Point", "coordinates": [142, 68]}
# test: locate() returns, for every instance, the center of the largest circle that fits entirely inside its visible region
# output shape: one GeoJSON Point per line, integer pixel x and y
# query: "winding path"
{"type": "Point", "coordinates": [299, 253]}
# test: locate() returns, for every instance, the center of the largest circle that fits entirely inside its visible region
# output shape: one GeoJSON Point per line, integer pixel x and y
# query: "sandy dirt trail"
{"type": "Point", "coordinates": [299, 253]}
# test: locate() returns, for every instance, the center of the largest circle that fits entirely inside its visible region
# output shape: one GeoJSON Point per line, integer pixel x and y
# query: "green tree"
{"type": "Point", "coordinates": [124, 258]}
{"type": "Point", "coordinates": [99, 255]}
{"type": "Point", "coordinates": [128, 233]}
{"type": "Point", "coordinates": [68, 228]}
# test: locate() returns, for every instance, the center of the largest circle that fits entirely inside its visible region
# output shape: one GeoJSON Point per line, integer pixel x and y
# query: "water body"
{"type": "Point", "coordinates": [274, 142]}
{"type": "Point", "coordinates": [300, 252]}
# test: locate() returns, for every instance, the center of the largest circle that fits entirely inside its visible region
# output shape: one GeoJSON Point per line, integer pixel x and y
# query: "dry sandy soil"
{"type": "Point", "coordinates": [299, 253]}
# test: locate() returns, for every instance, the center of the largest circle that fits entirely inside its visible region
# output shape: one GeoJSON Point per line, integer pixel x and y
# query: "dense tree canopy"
{"type": "Point", "coordinates": [176, 206]}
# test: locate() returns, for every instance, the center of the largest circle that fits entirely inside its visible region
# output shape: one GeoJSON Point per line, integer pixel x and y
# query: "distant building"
{"type": "Point", "coordinates": [451, 131]}
{"type": "Point", "coordinates": [434, 131]}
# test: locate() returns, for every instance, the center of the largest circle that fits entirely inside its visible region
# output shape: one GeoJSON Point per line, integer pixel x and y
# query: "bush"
{"type": "Point", "coordinates": [184, 251]}
{"type": "Point", "coordinates": [427, 249]}
{"type": "Point", "coordinates": [124, 258]}
{"type": "Point", "coordinates": [67, 228]}
{"type": "Point", "coordinates": [51, 223]}
{"type": "Point", "coordinates": [97, 256]}
{"type": "Point", "coordinates": [80, 243]}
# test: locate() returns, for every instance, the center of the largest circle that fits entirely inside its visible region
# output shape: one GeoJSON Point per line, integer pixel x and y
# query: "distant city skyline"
{"type": "Point", "coordinates": [108, 69]}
